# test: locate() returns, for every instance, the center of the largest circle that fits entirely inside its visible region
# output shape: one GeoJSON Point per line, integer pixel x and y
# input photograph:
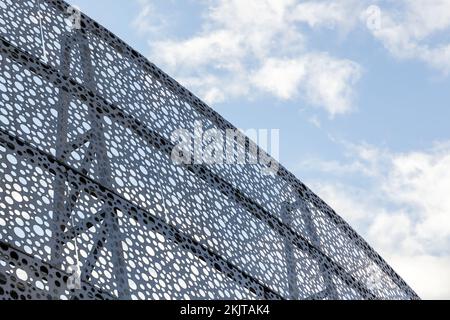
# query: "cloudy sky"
{"type": "Point", "coordinates": [359, 90]}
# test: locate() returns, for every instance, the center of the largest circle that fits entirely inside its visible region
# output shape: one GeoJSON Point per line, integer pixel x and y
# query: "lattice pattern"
{"type": "Point", "coordinates": [85, 170]}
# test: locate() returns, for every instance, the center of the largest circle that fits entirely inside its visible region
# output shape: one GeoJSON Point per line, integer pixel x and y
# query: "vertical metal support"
{"type": "Point", "coordinates": [290, 255]}
{"type": "Point", "coordinates": [315, 241]}
{"type": "Point", "coordinates": [310, 229]}
{"type": "Point", "coordinates": [63, 203]}
{"type": "Point", "coordinates": [60, 215]}
{"type": "Point", "coordinates": [104, 171]}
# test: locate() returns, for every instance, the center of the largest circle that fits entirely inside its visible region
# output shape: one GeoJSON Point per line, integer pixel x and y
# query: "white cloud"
{"type": "Point", "coordinates": [407, 29]}
{"type": "Point", "coordinates": [315, 121]}
{"type": "Point", "coordinates": [242, 43]}
{"type": "Point", "coordinates": [281, 77]}
{"type": "Point", "coordinates": [423, 181]}
{"type": "Point", "coordinates": [403, 209]}
{"type": "Point", "coordinates": [252, 46]}
{"type": "Point", "coordinates": [321, 79]}
{"type": "Point", "coordinates": [328, 14]}
{"type": "Point", "coordinates": [330, 82]}
{"type": "Point", "coordinates": [429, 274]}
{"type": "Point", "coordinates": [145, 21]}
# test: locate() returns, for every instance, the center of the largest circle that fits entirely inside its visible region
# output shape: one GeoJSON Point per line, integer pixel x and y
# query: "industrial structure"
{"type": "Point", "coordinates": [92, 205]}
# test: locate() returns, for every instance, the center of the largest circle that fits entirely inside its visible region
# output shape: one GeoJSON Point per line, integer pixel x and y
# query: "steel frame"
{"type": "Point", "coordinates": [65, 199]}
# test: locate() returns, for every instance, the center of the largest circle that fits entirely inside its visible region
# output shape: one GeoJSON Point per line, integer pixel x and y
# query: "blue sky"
{"type": "Point", "coordinates": [358, 89]}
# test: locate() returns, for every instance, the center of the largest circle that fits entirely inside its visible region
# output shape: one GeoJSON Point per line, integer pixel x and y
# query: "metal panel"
{"type": "Point", "coordinates": [87, 177]}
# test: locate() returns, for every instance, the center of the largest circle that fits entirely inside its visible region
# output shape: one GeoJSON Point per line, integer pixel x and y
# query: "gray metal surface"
{"type": "Point", "coordinates": [86, 171]}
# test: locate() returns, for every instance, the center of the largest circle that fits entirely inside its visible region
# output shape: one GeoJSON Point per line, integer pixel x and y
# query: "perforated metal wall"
{"type": "Point", "coordinates": [86, 173]}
